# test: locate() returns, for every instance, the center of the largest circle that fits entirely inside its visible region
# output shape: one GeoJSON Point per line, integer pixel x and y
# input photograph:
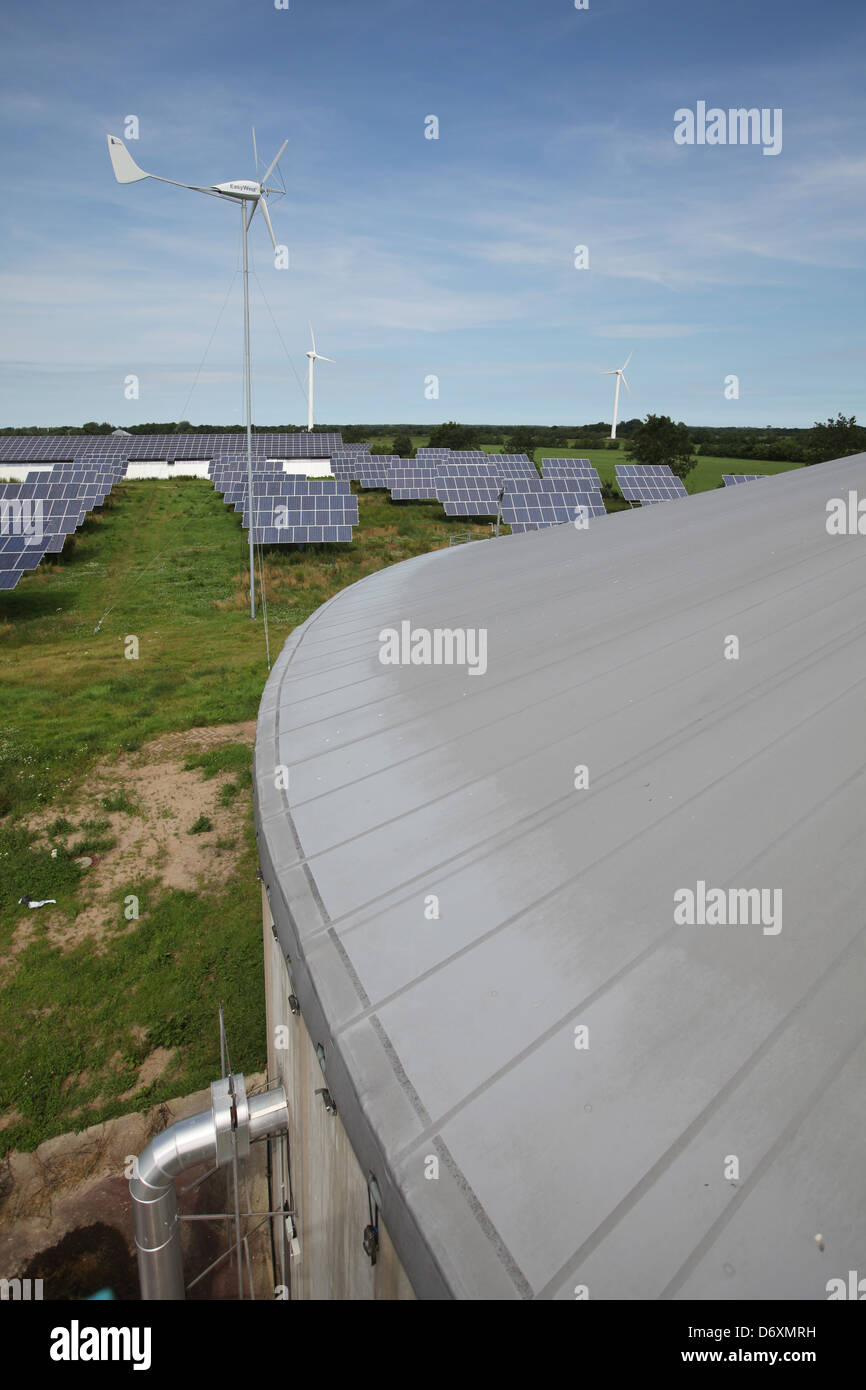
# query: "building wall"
{"type": "Point", "coordinates": [329, 1188]}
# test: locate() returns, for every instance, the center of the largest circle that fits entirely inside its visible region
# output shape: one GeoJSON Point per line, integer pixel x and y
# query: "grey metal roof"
{"type": "Point", "coordinates": [455, 1037]}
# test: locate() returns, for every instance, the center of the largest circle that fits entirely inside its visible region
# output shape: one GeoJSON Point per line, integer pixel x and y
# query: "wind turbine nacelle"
{"type": "Point", "coordinates": [238, 188]}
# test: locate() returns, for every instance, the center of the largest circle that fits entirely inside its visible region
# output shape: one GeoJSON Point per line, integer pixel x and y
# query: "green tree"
{"type": "Point", "coordinates": [834, 440]}
{"type": "Point", "coordinates": [402, 446]}
{"type": "Point", "coordinates": [453, 436]}
{"type": "Point", "coordinates": [523, 440]}
{"type": "Point", "coordinates": [659, 440]}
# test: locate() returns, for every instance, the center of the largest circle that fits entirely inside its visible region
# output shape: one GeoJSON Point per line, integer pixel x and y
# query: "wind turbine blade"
{"type": "Point", "coordinates": [312, 338]}
{"type": "Point", "coordinates": [267, 216]}
{"type": "Point", "coordinates": [324, 359]}
{"type": "Point", "coordinates": [255, 153]}
{"type": "Point", "coordinates": [275, 160]}
{"type": "Point", "coordinates": [125, 168]}
{"type": "Point", "coordinates": [625, 384]}
{"type": "Point", "coordinates": [612, 373]}
{"type": "Point", "coordinates": [628, 359]}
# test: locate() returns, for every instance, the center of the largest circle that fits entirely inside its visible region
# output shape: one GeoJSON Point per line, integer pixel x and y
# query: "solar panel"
{"type": "Point", "coordinates": [374, 471]}
{"type": "Point", "coordinates": [37, 515]}
{"type": "Point", "coordinates": [150, 447]}
{"type": "Point", "coordinates": [294, 519]}
{"type": "Point", "coordinates": [17, 554]}
{"type": "Point", "coordinates": [468, 470]}
{"type": "Point", "coordinates": [549, 502]}
{"type": "Point", "coordinates": [467, 493]}
{"type": "Point", "coordinates": [411, 483]}
{"type": "Point", "coordinates": [649, 483]}
{"type": "Point", "coordinates": [731, 479]}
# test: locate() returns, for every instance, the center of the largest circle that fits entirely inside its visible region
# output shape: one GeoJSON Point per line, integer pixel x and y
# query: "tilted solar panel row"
{"type": "Point", "coordinates": [649, 483]}
{"type": "Point", "coordinates": [300, 535]}
{"type": "Point", "coordinates": [410, 483]}
{"type": "Point", "coordinates": [375, 470]}
{"type": "Point", "coordinates": [146, 448]}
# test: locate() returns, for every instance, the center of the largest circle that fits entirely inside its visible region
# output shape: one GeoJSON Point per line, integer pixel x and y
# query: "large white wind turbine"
{"type": "Point", "coordinates": [245, 192]}
{"type": "Point", "coordinates": [619, 373]}
{"type": "Point", "coordinates": [314, 357]}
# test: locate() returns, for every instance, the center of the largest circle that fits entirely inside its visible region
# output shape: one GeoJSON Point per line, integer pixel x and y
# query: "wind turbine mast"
{"type": "Point", "coordinates": [619, 373]}
{"type": "Point", "coordinates": [242, 191]}
{"type": "Point", "coordinates": [313, 358]}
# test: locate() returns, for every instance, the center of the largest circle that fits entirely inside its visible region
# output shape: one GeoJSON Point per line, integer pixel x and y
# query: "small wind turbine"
{"type": "Point", "coordinates": [619, 373]}
{"type": "Point", "coordinates": [314, 357]}
{"type": "Point", "coordinates": [244, 192]}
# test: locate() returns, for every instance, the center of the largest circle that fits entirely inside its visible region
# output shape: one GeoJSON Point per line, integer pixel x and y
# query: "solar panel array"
{"type": "Point", "coordinates": [469, 483]}
{"type": "Point", "coordinates": [297, 511]}
{"type": "Point", "coordinates": [532, 506]}
{"type": "Point", "coordinates": [145, 447]}
{"type": "Point", "coordinates": [514, 465]}
{"type": "Point", "coordinates": [731, 479]}
{"type": "Point", "coordinates": [465, 493]}
{"type": "Point", "coordinates": [374, 470]}
{"type": "Point", "coordinates": [411, 482]}
{"type": "Point", "coordinates": [37, 515]}
{"type": "Point", "coordinates": [648, 483]}
{"type": "Point", "coordinates": [570, 468]}
{"type": "Point", "coordinates": [345, 460]}
{"type": "Point", "coordinates": [288, 508]}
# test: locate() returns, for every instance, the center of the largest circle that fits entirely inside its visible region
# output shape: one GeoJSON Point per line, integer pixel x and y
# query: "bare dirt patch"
{"type": "Point", "coordinates": [152, 842]}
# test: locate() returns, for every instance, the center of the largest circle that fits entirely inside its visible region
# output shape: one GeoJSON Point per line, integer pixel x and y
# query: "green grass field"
{"type": "Point", "coordinates": [164, 563]}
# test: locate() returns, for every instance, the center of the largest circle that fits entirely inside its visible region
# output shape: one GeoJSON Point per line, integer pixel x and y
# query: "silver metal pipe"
{"type": "Point", "coordinates": [211, 1136]}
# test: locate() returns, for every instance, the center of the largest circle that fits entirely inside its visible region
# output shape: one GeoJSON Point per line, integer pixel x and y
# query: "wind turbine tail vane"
{"type": "Point", "coordinates": [125, 168]}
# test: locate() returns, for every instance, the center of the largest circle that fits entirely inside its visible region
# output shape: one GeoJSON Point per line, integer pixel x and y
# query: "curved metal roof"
{"type": "Point", "coordinates": [607, 1166]}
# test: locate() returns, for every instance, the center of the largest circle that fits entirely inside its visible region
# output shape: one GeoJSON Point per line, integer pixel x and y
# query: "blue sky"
{"type": "Point", "coordinates": [452, 257]}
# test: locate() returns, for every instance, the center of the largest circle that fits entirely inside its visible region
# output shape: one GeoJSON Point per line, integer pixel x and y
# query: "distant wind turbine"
{"type": "Point", "coordinates": [619, 373]}
{"type": "Point", "coordinates": [244, 192]}
{"type": "Point", "coordinates": [314, 357]}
